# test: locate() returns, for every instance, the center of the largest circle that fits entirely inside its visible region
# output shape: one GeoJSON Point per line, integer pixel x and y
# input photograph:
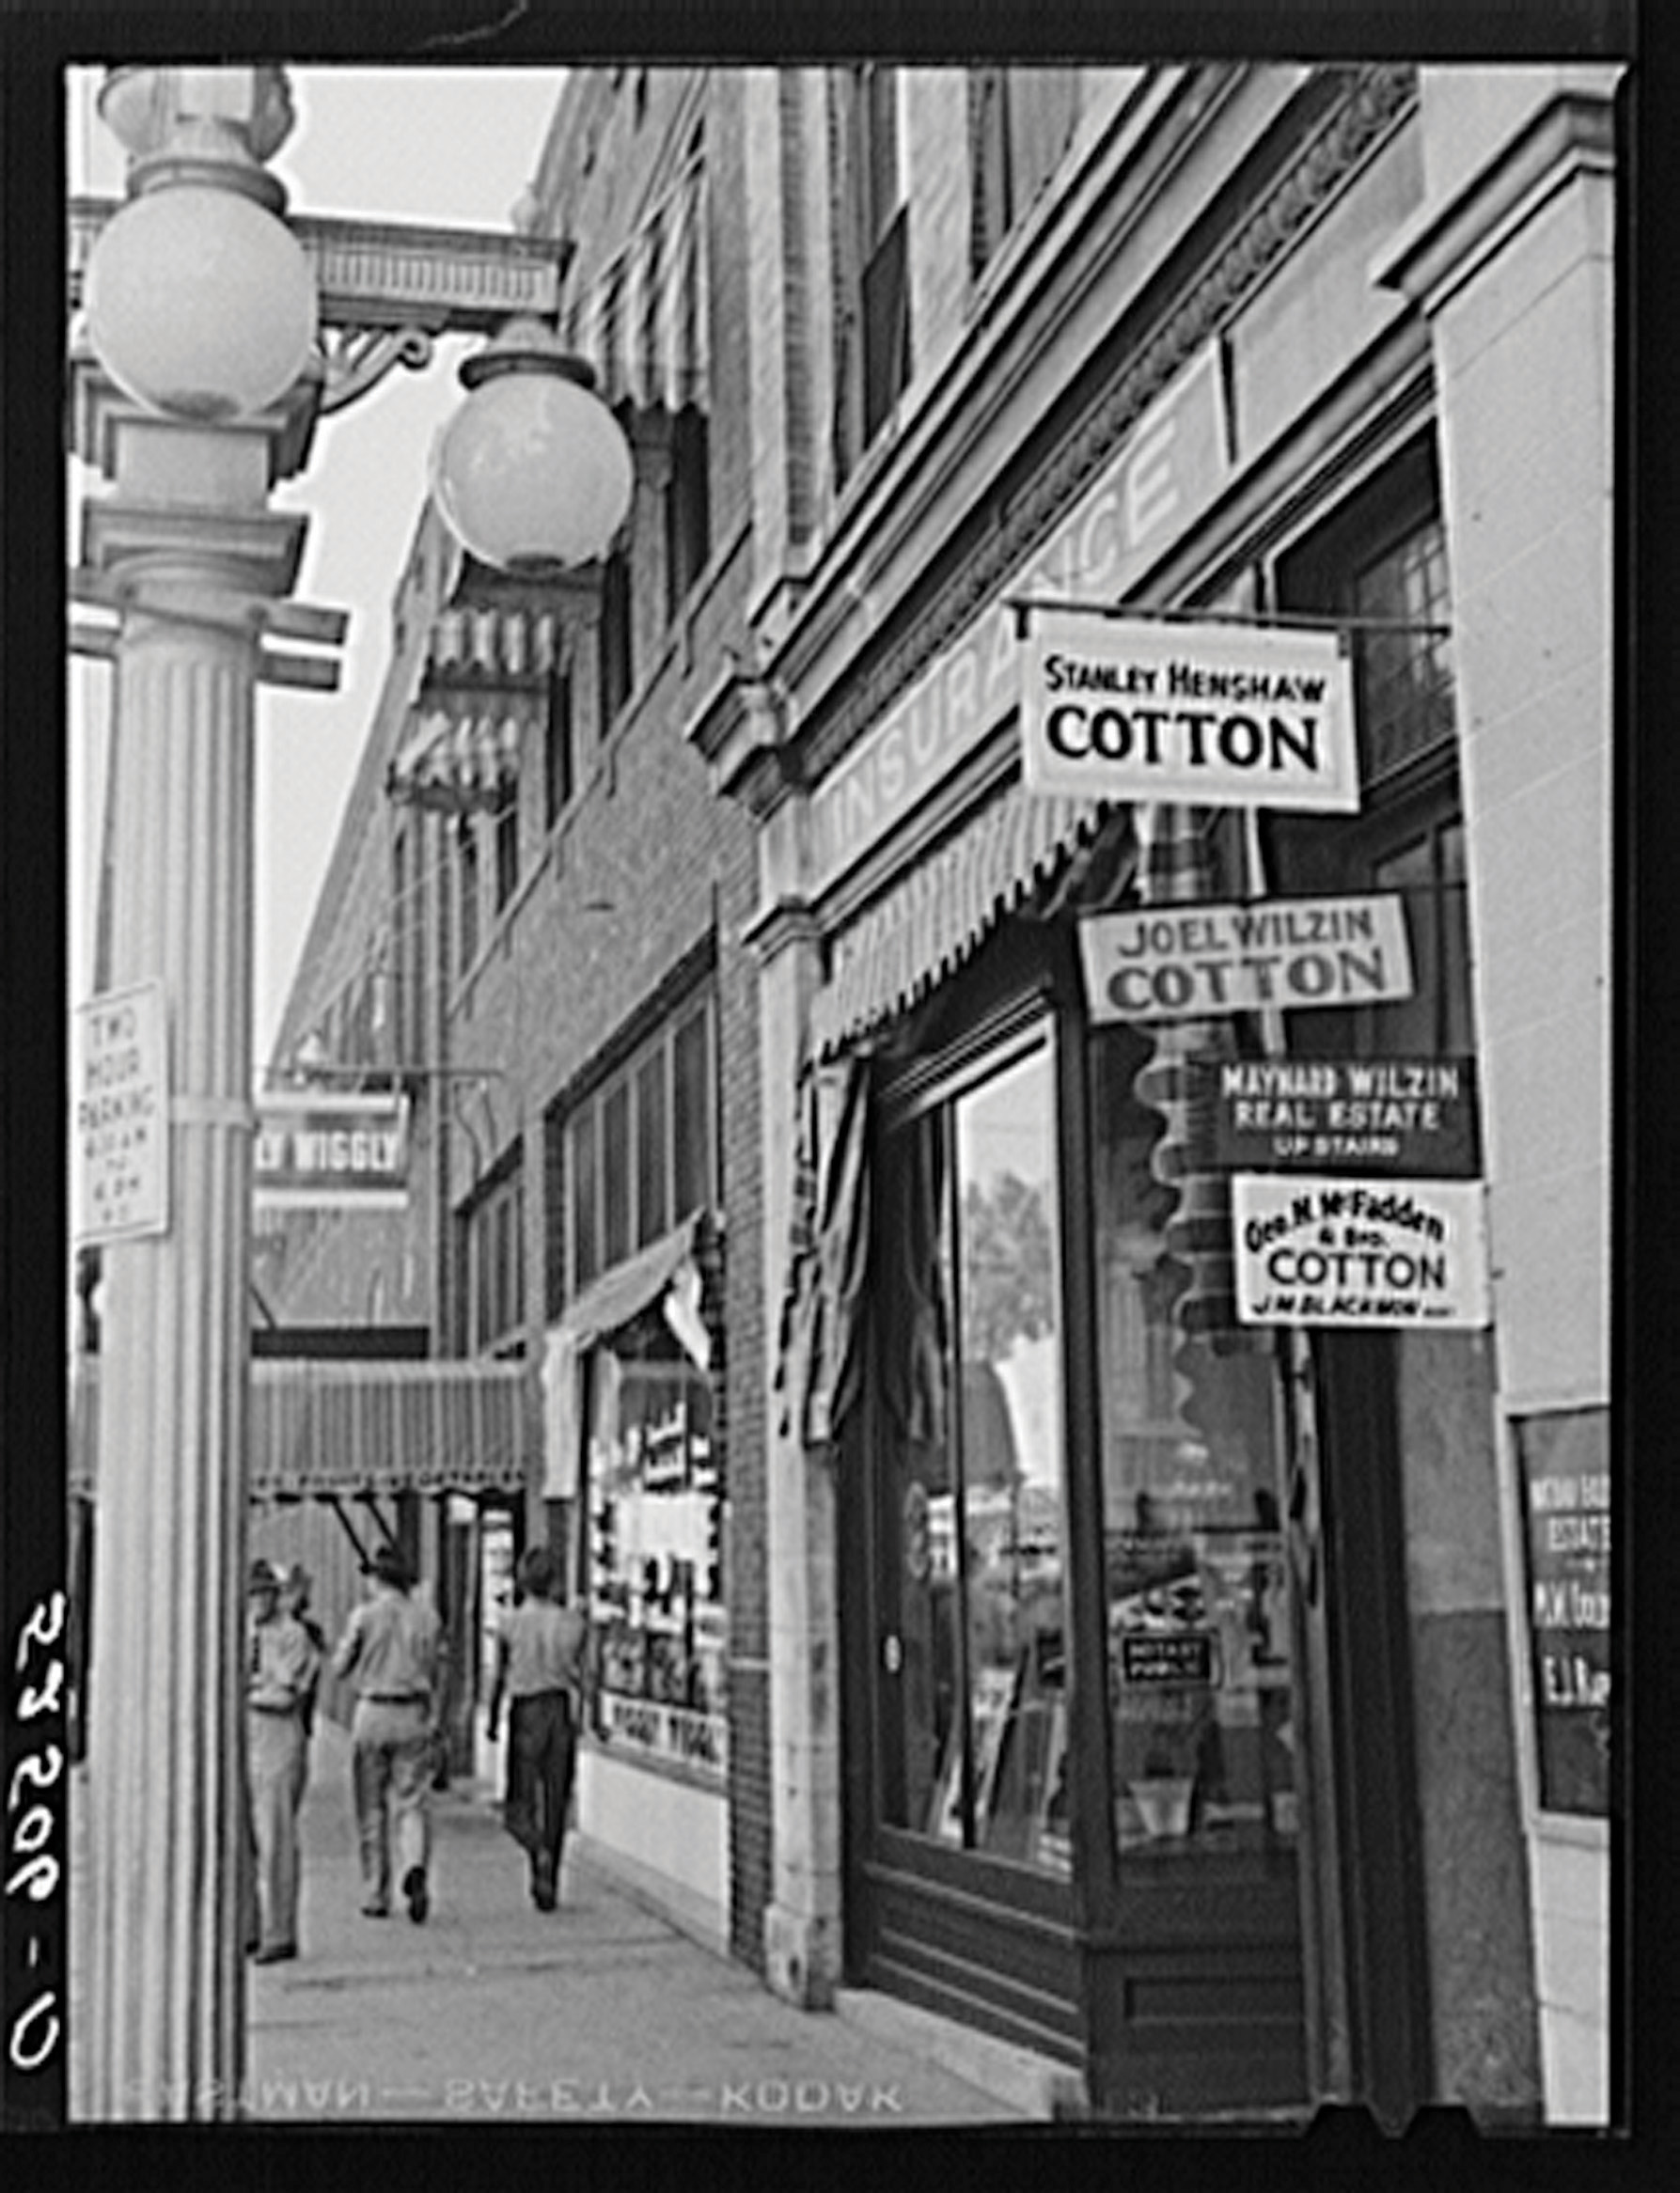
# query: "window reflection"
{"type": "Point", "coordinates": [973, 1388]}
{"type": "Point", "coordinates": [1198, 1670]}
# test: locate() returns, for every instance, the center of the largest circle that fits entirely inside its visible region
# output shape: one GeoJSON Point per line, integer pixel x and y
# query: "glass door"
{"type": "Point", "coordinates": [974, 1729]}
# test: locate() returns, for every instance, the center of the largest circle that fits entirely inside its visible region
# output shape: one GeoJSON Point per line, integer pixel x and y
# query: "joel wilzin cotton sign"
{"type": "Point", "coordinates": [1215, 714]}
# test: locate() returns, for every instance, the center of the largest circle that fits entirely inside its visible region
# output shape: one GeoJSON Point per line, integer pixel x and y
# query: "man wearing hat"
{"type": "Point", "coordinates": [281, 1668]}
{"type": "Point", "coordinates": [393, 1646]}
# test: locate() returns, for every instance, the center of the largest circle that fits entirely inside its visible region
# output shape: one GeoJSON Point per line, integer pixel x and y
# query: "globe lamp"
{"type": "Point", "coordinates": [200, 302]}
{"type": "Point", "coordinates": [533, 473]}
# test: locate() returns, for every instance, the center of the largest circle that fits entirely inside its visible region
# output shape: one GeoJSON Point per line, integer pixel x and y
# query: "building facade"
{"type": "Point", "coordinates": [879, 1156]}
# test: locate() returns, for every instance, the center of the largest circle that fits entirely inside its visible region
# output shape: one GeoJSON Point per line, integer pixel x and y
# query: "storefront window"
{"type": "Point", "coordinates": [1199, 1681]}
{"type": "Point", "coordinates": [657, 1511]}
{"type": "Point", "coordinates": [977, 1736]}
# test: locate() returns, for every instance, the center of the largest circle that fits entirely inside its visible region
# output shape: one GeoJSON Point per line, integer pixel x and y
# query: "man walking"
{"type": "Point", "coordinates": [540, 1666]}
{"type": "Point", "coordinates": [282, 1667]}
{"type": "Point", "coordinates": [393, 1647]}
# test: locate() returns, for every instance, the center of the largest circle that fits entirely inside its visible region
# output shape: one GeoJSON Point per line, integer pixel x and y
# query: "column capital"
{"type": "Point", "coordinates": [106, 424]}
{"type": "Point", "coordinates": [741, 733]}
{"type": "Point", "coordinates": [1450, 239]}
{"type": "Point", "coordinates": [146, 549]}
{"type": "Point", "coordinates": [782, 924]}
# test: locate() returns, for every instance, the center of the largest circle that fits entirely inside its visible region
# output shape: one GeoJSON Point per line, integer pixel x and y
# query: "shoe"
{"type": "Point", "coordinates": [276, 1953]}
{"type": "Point", "coordinates": [376, 1911]}
{"type": "Point", "coordinates": [414, 1887]}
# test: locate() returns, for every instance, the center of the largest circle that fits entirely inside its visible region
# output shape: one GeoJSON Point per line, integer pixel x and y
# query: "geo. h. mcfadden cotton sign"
{"type": "Point", "coordinates": [1383, 1253]}
{"type": "Point", "coordinates": [1215, 714]}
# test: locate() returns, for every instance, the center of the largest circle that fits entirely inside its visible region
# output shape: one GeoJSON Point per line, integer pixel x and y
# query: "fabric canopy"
{"type": "Point", "coordinates": [663, 1273]}
{"type": "Point", "coordinates": [927, 925]}
{"type": "Point", "coordinates": [641, 320]}
{"type": "Point", "coordinates": [631, 1287]}
{"type": "Point", "coordinates": [461, 759]}
{"type": "Point", "coordinates": [485, 684]}
{"type": "Point", "coordinates": [502, 646]}
{"type": "Point", "coordinates": [324, 1428]}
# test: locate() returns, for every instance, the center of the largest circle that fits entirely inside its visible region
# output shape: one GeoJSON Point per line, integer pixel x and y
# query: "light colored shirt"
{"type": "Point", "coordinates": [544, 1646]}
{"type": "Point", "coordinates": [391, 1645]}
{"type": "Point", "coordinates": [282, 1667]}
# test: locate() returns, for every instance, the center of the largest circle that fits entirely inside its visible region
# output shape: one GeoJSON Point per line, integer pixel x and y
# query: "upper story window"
{"type": "Point", "coordinates": [1382, 555]}
{"type": "Point", "coordinates": [491, 1292]}
{"type": "Point", "coordinates": [1020, 123]}
{"type": "Point", "coordinates": [638, 1152]}
{"type": "Point", "coordinates": [687, 505]}
{"type": "Point", "coordinates": [1382, 560]}
{"type": "Point", "coordinates": [616, 661]}
{"type": "Point", "coordinates": [507, 848]}
{"type": "Point", "coordinates": [466, 891]}
{"type": "Point", "coordinates": [408, 900]}
{"type": "Point", "coordinates": [870, 258]}
{"type": "Point", "coordinates": [558, 760]}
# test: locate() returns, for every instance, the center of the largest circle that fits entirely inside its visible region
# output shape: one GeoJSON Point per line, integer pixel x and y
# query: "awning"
{"type": "Point", "coordinates": [631, 1287]}
{"type": "Point", "coordinates": [665, 1271]}
{"type": "Point", "coordinates": [926, 926]}
{"type": "Point", "coordinates": [461, 756]}
{"type": "Point", "coordinates": [484, 684]}
{"type": "Point", "coordinates": [501, 646]}
{"type": "Point", "coordinates": [641, 320]}
{"type": "Point", "coordinates": [325, 1427]}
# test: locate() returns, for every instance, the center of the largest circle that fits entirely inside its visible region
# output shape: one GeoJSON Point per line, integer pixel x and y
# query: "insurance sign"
{"type": "Point", "coordinates": [1373, 1253]}
{"type": "Point", "coordinates": [1221, 715]}
{"type": "Point", "coordinates": [344, 1153]}
{"type": "Point", "coordinates": [1178, 963]}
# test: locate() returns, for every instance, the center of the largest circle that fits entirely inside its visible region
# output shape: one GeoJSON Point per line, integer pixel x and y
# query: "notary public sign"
{"type": "Point", "coordinates": [1217, 714]}
{"type": "Point", "coordinates": [1373, 1253]}
{"type": "Point", "coordinates": [1179, 962]}
{"type": "Point", "coordinates": [119, 1085]}
{"type": "Point", "coordinates": [1410, 1115]}
{"type": "Point", "coordinates": [344, 1153]}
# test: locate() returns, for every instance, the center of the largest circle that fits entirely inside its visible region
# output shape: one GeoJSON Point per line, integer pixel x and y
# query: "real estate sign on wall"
{"type": "Point", "coordinates": [339, 1151]}
{"type": "Point", "coordinates": [1563, 1460]}
{"type": "Point", "coordinates": [1375, 1253]}
{"type": "Point", "coordinates": [1217, 714]}
{"type": "Point", "coordinates": [1179, 962]}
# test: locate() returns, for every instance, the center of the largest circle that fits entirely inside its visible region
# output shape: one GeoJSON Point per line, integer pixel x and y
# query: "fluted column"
{"type": "Point", "coordinates": [190, 553]}
{"type": "Point", "coordinates": [165, 1760]}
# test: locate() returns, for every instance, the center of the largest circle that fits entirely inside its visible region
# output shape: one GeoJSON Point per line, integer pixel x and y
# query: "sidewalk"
{"type": "Point", "coordinates": [602, 2012]}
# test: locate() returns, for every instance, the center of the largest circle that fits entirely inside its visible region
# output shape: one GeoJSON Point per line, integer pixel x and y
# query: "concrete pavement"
{"type": "Point", "coordinates": [601, 2013]}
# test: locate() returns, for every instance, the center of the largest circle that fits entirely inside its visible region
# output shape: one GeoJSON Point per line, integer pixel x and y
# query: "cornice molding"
{"type": "Point", "coordinates": [1377, 100]}
{"type": "Point", "coordinates": [372, 274]}
{"type": "Point", "coordinates": [740, 733]}
{"type": "Point", "coordinates": [1447, 244]}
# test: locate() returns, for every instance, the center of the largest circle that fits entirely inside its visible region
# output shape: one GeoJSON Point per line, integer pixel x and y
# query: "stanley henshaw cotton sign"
{"type": "Point", "coordinates": [1217, 714]}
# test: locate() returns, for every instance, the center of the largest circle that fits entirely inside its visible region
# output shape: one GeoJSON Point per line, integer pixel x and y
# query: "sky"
{"type": "Point", "coordinates": [437, 146]}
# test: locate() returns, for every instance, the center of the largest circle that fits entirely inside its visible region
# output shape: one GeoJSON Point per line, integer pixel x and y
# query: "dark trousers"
{"type": "Point", "coordinates": [541, 1754]}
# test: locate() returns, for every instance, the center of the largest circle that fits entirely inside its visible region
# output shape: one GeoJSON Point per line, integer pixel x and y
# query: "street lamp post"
{"type": "Point", "coordinates": [204, 374]}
